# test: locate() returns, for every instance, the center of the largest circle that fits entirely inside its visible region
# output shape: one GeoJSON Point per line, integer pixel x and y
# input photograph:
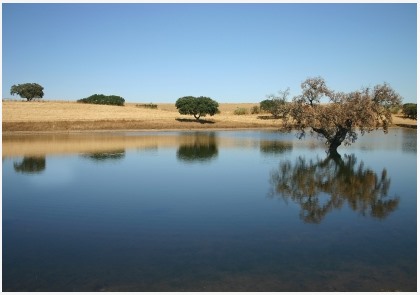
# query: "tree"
{"type": "Point", "coordinates": [321, 186]}
{"type": "Point", "coordinates": [197, 106]}
{"type": "Point", "coordinates": [410, 110]}
{"type": "Point", "coordinates": [346, 113]}
{"type": "Point", "coordinates": [28, 90]}
{"type": "Point", "coordinates": [276, 105]}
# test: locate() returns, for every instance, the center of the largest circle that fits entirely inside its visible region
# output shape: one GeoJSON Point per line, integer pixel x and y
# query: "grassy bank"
{"type": "Point", "coordinates": [45, 116]}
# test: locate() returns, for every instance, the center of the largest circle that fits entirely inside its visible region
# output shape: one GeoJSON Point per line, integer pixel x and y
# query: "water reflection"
{"type": "Point", "coordinates": [201, 148]}
{"type": "Point", "coordinates": [104, 156]}
{"type": "Point", "coordinates": [275, 147]}
{"type": "Point", "coordinates": [409, 141]}
{"type": "Point", "coordinates": [30, 165]}
{"type": "Point", "coordinates": [321, 186]}
{"type": "Point", "coordinates": [115, 227]}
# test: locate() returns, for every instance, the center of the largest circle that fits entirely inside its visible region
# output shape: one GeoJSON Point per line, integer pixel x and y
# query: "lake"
{"type": "Point", "coordinates": [208, 211]}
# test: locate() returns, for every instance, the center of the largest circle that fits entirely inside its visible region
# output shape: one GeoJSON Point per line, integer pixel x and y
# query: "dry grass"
{"type": "Point", "coordinates": [40, 116]}
{"type": "Point", "coordinates": [63, 116]}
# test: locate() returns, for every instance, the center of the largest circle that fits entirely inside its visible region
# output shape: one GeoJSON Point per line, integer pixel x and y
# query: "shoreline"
{"type": "Point", "coordinates": [23, 132]}
{"type": "Point", "coordinates": [89, 126]}
{"type": "Point", "coordinates": [148, 130]}
{"type": "Point", "coordinates": [65, 117]}
{"type": "Point", "coordinates": [9, 128]}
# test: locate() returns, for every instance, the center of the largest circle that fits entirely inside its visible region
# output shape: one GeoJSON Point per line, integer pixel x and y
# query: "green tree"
{"type": "Point", "coordinates": [276, 105]}
{"type": "Point", "coordinates": [197, 106]}
{"type": "Point", "coordinates": [28, 90]}
{"type": "Point", "coordinates": [103, 99]}
{"type": "Point", "coordinates": [339, 120]}
{"type": "Point", "coordinates": [410, 110]}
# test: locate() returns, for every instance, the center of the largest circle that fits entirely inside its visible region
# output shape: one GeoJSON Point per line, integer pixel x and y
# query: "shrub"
{"type": "Point", "coordinates": [255, 110]}
{"type": "Point", "coordinates": [266, 105]}
{"type": "Point", "coordinates": [103, 99]}
{"type": "Point", "coordinates": [395, 109]}
{"type": "Point", "coordinates": [410, 110]}
{"type": "Point", "coordinates": [147, 106]}
{"type": "Point", "coordinates": [277, 107]}
{"type": "Point", "coordinates": [240, 111]}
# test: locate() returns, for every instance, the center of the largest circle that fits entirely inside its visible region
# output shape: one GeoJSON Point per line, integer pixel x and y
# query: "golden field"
{"type": "Point", "coordinates": [44, 116]}
{"type": "Point", "coordinates": [67, 116]}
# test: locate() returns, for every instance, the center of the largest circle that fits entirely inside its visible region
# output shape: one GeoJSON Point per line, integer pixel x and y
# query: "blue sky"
{"type": "Point", "coordinates": [229, 52]}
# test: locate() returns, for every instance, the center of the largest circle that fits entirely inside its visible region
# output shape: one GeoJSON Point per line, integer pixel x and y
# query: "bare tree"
{"type": "Point", "coordinates": [345, 113]}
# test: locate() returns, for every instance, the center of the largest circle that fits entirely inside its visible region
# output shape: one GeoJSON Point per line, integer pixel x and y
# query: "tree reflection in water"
{"type": "Point", "coordinates": [104, 156]}
{"type": "Point", "coordinates": [321, 186]}
{"type": "Point", "coordinates": [203, 147]}
{"type": "Point", "coordinates": [30, 165]}
{"type": "Point", "coordinates": [275, 147]}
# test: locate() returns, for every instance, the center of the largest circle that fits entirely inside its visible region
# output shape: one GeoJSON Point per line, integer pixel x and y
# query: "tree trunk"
{"type": "Point", "coordinates": [332, 150]}
{"type": "Point", "coordinates": [197, 116]}
{"type": "Point", "coordinates": [336, 141]}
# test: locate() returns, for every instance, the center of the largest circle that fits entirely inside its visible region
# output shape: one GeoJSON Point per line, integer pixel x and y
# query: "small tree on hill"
{"type": "Point", "coordinates": [410, 110]}
{"type": "Point", "coordinates": [28, 90]}
{"type": "Point", "coordinates": [346, 113]}
{"type": "Point", "coordinates": [197, 106]}
{"type": "Point", "coordinates": [276, 105]}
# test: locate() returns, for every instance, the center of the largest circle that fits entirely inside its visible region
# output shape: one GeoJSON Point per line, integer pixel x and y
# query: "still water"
{"type": "Point", "coordinates": [208, 211]}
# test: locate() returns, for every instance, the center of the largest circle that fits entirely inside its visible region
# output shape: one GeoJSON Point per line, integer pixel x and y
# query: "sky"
{"type": "Point", "coordinates": [229, 52]}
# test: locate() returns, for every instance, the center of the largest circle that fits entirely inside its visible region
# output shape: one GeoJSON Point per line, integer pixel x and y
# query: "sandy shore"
{"type": "Point", "coordinates": [56, 116]}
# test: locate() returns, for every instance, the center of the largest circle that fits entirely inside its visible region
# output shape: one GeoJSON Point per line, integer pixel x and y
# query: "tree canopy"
{"type": "Point", "coordinates": [28, 90]}
{"type": "Point", "coordinates": [410, 110]}
{"type": "Point", "coordinates": [197, 106]}
{"type": "Point", "coordinates": [345, 113]}
{"type": "Point", "coordinates": [276, 105]}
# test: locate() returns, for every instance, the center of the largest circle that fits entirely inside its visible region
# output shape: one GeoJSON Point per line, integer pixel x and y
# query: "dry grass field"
{"type": "Point", "coordinates": [66, 116]}
{"type": "Point", "coordinates": [44, 116]}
